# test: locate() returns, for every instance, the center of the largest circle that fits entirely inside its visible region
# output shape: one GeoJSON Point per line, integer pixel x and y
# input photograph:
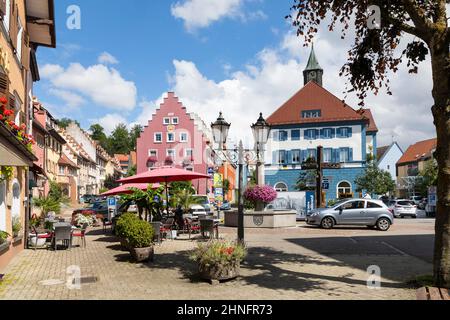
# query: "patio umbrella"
{"type": "Point", "coordinates": [166, 175]}
{"type": "Point", "coordinates": [126, 189]}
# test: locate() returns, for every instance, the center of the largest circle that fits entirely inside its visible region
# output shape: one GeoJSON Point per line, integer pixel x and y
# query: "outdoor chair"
{"type": "Point", "coordinates": [157, 231]}
{"type": "Point", "coordinates": [81, 234]}
{"type": "Point", "coordinates": [167, 227]}
{"type": "Point", "coordinates": [106, 223]}
{"type": "Point", "coordinates": [64, 234]}
{"type": "Point", "coordinates": [208, 226]}
{"type": "Point", "coordinates": [40, 236]}
{"type": "Point", "coordinates": [192, 227]}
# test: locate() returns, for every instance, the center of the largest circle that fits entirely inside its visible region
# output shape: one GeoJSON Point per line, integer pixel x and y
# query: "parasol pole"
{"type": "Point", "coordinates": [167, 197]}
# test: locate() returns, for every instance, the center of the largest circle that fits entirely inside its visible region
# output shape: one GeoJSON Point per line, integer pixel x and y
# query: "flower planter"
{"type": "Point", "coordinates": [36, 242]}
{"type": "Point", "coordinates": [142, 254]}
{"type": "Point", "coordinates": [220, 273]}
{"type": "Point", "coordinates": [4, 246]}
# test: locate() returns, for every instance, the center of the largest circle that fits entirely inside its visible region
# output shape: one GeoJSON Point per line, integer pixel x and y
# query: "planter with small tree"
{"type": "Point", "coordinates": [140, 239]}
{"type": "Point", "coordinates": [17, 229]}
{"type": "Point", "coordinates": [122, 229]}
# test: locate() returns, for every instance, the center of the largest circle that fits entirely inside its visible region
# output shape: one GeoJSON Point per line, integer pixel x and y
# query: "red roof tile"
{"type": "Point", "coordinates": [314, 97]}
{"type": "Point", "coordinates": [421, 149]}
{"type": "Point", "coordinates": [372, 125]}
{"type": "Point", "coordinates": [64, 160]}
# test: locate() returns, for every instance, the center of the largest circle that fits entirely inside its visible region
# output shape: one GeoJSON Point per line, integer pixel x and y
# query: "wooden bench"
{"type": "Point", "coordinates": [431, 293]}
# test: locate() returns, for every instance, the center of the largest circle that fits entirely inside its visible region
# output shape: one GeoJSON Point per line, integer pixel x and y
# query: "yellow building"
{"type": "Point", "coordinates": [25, 25]}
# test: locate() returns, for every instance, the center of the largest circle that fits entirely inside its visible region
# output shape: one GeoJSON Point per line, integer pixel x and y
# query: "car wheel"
{"type": "Point", "coordinates": [327, 223]}
{"type": "Point", "coordinates": [383, 224]}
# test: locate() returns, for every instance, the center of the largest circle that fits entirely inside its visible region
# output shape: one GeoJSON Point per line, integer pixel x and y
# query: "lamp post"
{"type": "Point", "coordinates": [261, 131]}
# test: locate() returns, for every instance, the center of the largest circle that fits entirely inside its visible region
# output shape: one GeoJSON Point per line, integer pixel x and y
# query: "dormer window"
{"type": "Point", "coordinates": [311, 114]}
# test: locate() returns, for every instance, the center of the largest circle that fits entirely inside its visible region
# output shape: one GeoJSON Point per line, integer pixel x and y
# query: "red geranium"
{"type": "Point", "coordinates": [3, 100]}
{"type": "Point", "coordinates": [8, 113]}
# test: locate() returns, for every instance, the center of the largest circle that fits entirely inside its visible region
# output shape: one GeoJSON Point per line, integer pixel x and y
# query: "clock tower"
{"type": "Point", "coordinates": [313, 71]}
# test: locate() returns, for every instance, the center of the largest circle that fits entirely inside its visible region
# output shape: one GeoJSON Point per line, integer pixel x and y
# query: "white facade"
{"type": "Point", "coordinates": [389, 160]}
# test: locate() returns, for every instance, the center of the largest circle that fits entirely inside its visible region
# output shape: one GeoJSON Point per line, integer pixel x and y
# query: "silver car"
{"type": "Point", "coordinates": [371, 213]}
{"type": "Point", "coordinates": [404, 208]}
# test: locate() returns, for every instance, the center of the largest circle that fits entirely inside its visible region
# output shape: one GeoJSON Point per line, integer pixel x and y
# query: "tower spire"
{"type": "Point", "coordinates": [313, 71]}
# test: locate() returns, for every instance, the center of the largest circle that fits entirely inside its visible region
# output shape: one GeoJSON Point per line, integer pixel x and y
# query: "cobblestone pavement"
{"type": "Point", "coordinates": [298, 263]}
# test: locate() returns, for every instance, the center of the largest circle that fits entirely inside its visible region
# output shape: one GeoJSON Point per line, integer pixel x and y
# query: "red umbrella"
{"type": "Point", "coordinates": [126, 189]}
{"type": "Point", "coordinates": [165, 174]}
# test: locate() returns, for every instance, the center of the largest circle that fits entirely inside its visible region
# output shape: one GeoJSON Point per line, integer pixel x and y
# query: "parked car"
{"type": "Point", "coordinates": [423, 204]}
{"type": "Point", "coordinates": [199, 211]}
{"type": "Point", "coordinates": [404, 208]}
{"type": "Point", "coordinates": [371, 213]}
{"type": "Point", "coordinates": [94, 209]}
{"type": "Point", "coordinates": [202, 201]}
{"type": "Point", "coordinates": [87, 198]}
{"type": "Point", "coordinates": [416, 199]}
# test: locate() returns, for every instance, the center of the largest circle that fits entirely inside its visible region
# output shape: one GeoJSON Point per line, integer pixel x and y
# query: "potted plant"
{"type": "Point", "coordinates": [260, 196]}
{"type": "Point", "coordinates": [16, 226]}
{"type": "Point", "coordinates": [122, 228]}
{"type": "Point", "coordinates": [37, 238]}
{"type": "Point", "coordinates": [140, 239]}
{"type": "Point", "coordinates": [219, 260]}
{"type": "Point", "coordinates": [3, 240]}
{"type": "Point", "coordinates": [81, 219]}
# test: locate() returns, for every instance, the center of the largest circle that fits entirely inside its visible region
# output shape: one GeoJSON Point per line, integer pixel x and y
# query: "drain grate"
{"type": "Point", "coordinates": [86, 280]}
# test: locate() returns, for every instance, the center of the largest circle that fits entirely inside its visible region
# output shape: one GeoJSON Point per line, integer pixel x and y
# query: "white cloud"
{"type": "Point", "coordinates": [107, 58]}
{"type": "Point", "coordinates": [103, 85]}
{"type": "Point", "coordinates": [277, 74]}
{"type": "Point", "coordinates": [71, 99]}
{"type": "Point", "coordinates": [202, 13]}
{"type": "Point", "coordinates": [109, 122]}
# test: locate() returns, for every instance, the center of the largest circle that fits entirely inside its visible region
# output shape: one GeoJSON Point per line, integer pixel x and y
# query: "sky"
{"type": "Point", "coordinates": [241, 57]}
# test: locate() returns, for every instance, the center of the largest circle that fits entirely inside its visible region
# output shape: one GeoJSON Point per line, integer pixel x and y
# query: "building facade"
{"type": "Point", "coordinates": [175, 137]}
{"type": "Point", "coordinates": [387, 158]}
{"type": "Point", "coordinates": [314, 117]}
{"type": "Point", "coordinates": [25, 25]}
{"type": "Point", "coordinates": [411, 164]}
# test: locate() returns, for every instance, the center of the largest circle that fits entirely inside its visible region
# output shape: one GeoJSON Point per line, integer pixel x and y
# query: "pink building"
{"type": "Point", "coordinates": [175, 137]}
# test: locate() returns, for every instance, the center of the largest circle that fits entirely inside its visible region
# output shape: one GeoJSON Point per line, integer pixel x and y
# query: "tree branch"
{"type": "Point", "coordinates": [417, 15]}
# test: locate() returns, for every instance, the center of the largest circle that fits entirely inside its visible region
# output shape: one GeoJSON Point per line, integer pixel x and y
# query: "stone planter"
{"type": "Point", "coordinates": [142, 254]}
{"type": "Point", "coordinates": [36, 241]}
{"type": "Point", "coordinates": [220, 273]}
{"type": "Point", "coordinates": [263, 219]}
{"type": "Point", "coordinates": [4, 246]}
{"type": "Point", "coordinates": [125, 246]}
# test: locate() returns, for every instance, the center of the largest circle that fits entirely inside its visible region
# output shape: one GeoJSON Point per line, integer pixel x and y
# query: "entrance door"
{"type": "Point", "coordinates": [2, 206]}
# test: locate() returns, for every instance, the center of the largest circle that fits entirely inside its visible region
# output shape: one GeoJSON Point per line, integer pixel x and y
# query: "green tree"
{"type": "Point", "coordinates": [64, 122]}
{"type": "Point", "coordinates": [373, 56]}
{"type": "Point", "coordinates": [185, 198]}
{"type": "Point", "coordinates": [305, 179]}
{"type": "Point", "coordinates": [226, 188]}
{"type": "Point", "coordinates": [98, 134]}
{"type": "Point", "coordinates": [135, 133]}
{"type": "Point", "coordinates": [375, 181]}
{"type": "Point", "coordinates": [148, 202]}
{"type": "Point", "coordinates": [429, 177]}
{"type": "Point", "coordinates": [111, 181]}
{"type": "Point", "coordinates": [132, 171]}
{"type": "Point", "coordinates": [47, 204]}
{"type": "Point", "coordinates": [120, 140]}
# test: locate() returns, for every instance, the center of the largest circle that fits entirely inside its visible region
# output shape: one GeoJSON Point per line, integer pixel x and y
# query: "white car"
{"type": "Point", "coordinates": [198, 210]}
{"type": "Point", "coordinates": [404, 208]}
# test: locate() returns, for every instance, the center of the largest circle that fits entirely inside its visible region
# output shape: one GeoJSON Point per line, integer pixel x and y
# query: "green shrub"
{"type": "Point", "coordinates": [16, 226]}
{"type": "Point", "coordinates": [218, 253]}
{"type": "Point", "coordinates": [3, 236]}
{"type": "Point", "coordinates": [123, 225]}
{"type": "Point", "coordinates": [140, 234]}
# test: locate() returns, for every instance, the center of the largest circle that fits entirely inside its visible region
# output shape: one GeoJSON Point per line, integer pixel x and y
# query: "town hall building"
{"type": "Point", "coordinates": [314, 117]}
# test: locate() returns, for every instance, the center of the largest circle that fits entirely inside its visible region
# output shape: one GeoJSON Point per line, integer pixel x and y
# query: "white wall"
{"type": "Point", "coordinates": [390, 160]}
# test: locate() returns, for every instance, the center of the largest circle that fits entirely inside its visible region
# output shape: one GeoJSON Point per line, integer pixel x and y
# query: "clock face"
{"type": "Point", "coordinates": [313, 74]}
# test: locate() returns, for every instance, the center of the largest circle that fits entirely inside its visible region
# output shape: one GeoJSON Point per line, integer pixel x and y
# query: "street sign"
{"type": "Point", "coordinates": [210, 170]}
{"type": "Point", "coordinates": [325, 185]}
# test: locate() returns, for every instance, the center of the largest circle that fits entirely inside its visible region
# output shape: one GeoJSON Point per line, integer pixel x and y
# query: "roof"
{"type": "Point", "coordinates": [381, 151]}
{"type": "Point", "coordinates": [313, 64]}
{"type": "Point", "coordinates": [64, 160]}
{"type": "Point", "coordinates": [420, 151]}
{"type": "Point", "coordinates": [122, 157]}
{"type": "Point", "coordinates": [314, 97]}
{"type": "Point", "coordinates": [372, 125]}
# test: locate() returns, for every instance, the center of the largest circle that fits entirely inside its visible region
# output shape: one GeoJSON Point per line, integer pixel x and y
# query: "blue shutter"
{"type": "Point", "coordinates": [283, 156]}
{"type": "Point", "coordinates": [350, 154]}
{"type": "Point", "coordinates": [295, 135]}
{"type": "Point", "coordinates": [276, 136]}
{"type": "Point", "coordinates": [339, 132]}
{"type": "Point", "coordinates": [350, 132]}
{"type": "Point", "coordinates": [335, 155]}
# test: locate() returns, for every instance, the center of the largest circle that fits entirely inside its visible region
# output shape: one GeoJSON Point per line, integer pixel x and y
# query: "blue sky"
{"type": "Point", "coordinates": [229, 55]}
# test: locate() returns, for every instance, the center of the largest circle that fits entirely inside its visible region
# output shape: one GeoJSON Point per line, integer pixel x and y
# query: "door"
{"type": "Point", "coordinates": [373, 211]}
{"type": "Point", "coordinates": [15, 209]}
{"type": "Point", "coordinates": [353, 212]}
{"type": "Point", "coordinates": [2, 206]}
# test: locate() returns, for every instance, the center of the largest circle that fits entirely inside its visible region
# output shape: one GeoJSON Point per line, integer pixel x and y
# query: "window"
{"type": "Point", "coordinates": [170, 137]}
{"type": "Point", "coordinates": [344, 132]}
{"type": "Point", "coordinates": [7, 15]}
{"type": "Point", "coordinates": [344, 189]}
{"type": "Point", "coordinates": [327, 155]}
{"type": "Point", "coordinates": [183, 137]}
{"type": "Point", "coordinates": [281, 187]}
{"type": "Point", "coordinates": [166, 121]}
{"type": "Point", "coordinates": [296, 156]}
{"type": "Point", "coordinates": [158, 137]}
{"type": "Point", "coordinates": [311, 114]}
{"type": "Point", "coordinates": [171, 153]}
{"type": "Point", "coordinates": [344, 155]}
{"type": "Point", "coordinates": [279, 157]}
{"type": "Point", "coordinates": [311, 134]}
{"type": "Point", "coordinates": [175, 120]}
{"type": "Point", "coordinates": [354, 205]}
{"type": "Point", "coordinates": [295, 135]}
{"type": "Point", "coordinates": [189, 153]}
{"type": "Point", "coordinates": [283, 135]}
{"type": "Point", "coordinates": [373, 205]}
{"type": "Point", "coordinates": [61, 170]}
{"type": "Point", "coordinates": [327, 133]}
{"type": "Point", "coordinates": [153, 153]}
{"type": "Point", "coordinates": [19, 39]}
{"type": "Point", "coordinates": [311, 153]}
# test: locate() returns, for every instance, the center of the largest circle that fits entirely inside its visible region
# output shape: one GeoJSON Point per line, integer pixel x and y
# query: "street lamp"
{"type": "Point", "coordinates": [261, 132]}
